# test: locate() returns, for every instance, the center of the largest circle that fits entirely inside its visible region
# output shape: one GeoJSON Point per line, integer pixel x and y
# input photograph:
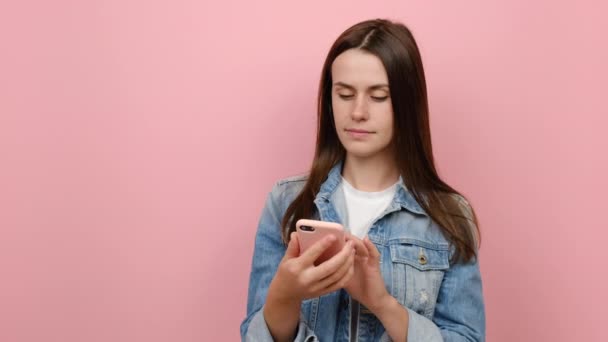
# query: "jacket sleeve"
{"type": "Point", "coordinates": [268, 252]}
{"type": "Point", "coordinates": [460, 311]}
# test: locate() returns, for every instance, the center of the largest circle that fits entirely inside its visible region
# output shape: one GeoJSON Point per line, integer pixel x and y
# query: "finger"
{"type": "Point", "coordinates": [360, 247]}
{"type": "Point", "coordinates": [334, 263]}
{"type": "Point", "coordinates": [315, 251]}
{"type": "Point", "coordinates": [336, 276]}
{"type": "Point", "coordinates": [341, 283]}
{"type": "Point", "coordinates": [371, 248]}
{"type": "Point", "coordinates": [293, 247]}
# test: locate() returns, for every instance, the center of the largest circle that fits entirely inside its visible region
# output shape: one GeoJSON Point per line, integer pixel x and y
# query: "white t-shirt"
{"type": "Point", "coordinates": [364, 207]}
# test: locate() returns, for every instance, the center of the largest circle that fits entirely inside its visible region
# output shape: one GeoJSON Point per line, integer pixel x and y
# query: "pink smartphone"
{"type": "Point", "coordinates": [311, 231]}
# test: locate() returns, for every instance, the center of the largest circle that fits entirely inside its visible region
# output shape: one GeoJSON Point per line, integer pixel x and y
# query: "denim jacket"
{"type": "Point", "coordinates": [444, 300]}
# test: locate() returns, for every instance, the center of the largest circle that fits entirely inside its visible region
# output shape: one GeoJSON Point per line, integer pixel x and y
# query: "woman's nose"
{"type": "Point", "coordinates": [359, 111]}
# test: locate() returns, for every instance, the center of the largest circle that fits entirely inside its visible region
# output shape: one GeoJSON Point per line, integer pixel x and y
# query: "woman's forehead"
{"type": "Point", "coordinates": [358, 69]}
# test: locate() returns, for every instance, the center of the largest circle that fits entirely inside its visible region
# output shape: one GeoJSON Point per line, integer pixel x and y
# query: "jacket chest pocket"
{"type": "Point", "coordinates": [417, 273]}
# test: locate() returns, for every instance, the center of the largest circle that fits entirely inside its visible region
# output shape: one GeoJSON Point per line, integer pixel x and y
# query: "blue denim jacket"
{"type": "Point", "coordinates": [444, 300]}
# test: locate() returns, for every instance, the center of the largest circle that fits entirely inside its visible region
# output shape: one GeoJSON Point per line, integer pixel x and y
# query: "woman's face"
{"type": "Point", "coordinates": [363, 113]}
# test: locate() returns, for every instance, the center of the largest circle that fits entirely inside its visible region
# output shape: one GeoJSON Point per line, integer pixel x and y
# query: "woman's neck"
{"type": "Point", "coordinates": [370, 174]}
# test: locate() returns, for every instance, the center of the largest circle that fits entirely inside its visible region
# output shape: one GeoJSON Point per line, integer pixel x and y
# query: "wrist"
{"type": "Point", "coordinates": [281, 313]}
{"type": "Point", "coordinates": [385, 306]}
{"type": "Point", "coordinates": [394, 317]}
{"type": "Point", "coordinates": [277, 297]}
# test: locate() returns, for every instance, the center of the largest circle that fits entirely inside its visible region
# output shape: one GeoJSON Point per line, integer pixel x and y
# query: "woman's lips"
{"type": "Point", "coordinates": [358, 133]}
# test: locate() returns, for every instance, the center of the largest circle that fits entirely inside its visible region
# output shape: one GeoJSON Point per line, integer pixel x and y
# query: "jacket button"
{"type": "Point", "coordinates": [422, 259]}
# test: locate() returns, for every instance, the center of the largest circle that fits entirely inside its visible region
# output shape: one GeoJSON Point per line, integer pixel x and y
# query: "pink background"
{"type": "Point", "coordinates": [138, 140]}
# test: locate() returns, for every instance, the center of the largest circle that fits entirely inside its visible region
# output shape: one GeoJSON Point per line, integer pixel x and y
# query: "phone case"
{"type": "Point", "coordinates": [320, 229]}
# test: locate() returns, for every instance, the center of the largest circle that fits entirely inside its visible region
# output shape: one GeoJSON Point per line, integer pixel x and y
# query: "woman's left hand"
{"type": "Point", "coordinates": [367, 284]}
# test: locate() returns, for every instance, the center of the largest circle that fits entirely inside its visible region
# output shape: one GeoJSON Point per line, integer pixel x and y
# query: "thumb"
{"type": "Point", "coordinates": [371, 248]}
{"type": "Point", "coordinates": [293, 247]}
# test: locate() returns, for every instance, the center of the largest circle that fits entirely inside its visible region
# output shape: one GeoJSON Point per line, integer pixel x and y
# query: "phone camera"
{"type": "Point", "coordinates": [307, 228]}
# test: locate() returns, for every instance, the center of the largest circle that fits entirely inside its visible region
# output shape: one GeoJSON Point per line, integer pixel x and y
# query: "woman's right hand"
{"type": "Point", "coordinates": [297, 277]}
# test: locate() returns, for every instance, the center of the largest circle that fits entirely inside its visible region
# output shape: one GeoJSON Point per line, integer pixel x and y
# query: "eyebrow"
{"type": "Point", "coordinates": [373, 87]}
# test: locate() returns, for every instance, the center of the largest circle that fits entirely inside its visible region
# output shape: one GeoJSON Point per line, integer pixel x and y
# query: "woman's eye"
{"type": "Point", "coordinates": [379, 99]}
{"type": "Point", "coordinates": [345, 97]}
{"type": "Point", "coordinates": [375, 98]}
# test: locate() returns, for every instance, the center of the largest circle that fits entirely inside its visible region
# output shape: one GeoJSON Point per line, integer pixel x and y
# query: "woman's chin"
{"type": "Point", "coordinates": [360, 153]}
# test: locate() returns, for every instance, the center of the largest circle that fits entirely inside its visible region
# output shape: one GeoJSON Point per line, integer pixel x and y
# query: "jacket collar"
{"type": "Point", "coordinates": [402, 197]}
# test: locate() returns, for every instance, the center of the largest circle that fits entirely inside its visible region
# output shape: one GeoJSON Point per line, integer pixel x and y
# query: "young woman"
{"type": "Point", "coordinates": [410, 269]}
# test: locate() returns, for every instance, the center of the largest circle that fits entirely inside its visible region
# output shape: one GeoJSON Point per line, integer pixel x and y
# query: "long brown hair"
{"type": "Point", "coordinates": [395, 46]}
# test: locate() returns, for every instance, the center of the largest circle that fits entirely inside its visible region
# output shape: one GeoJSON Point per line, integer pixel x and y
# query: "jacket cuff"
{"type": "Point", "coordinates": [419, 328]}
{"type": "Point", "coordinates": [258, 330]}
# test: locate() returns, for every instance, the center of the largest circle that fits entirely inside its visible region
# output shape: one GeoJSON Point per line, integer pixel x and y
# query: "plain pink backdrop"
{"type": "Point", "coordinates": [138, 141]}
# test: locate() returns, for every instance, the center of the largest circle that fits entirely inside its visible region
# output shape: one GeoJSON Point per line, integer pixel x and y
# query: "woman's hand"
{"type": "Point", "coordinates": [297, 277]}
{"type": "Point", "coordinates": [367, 285]}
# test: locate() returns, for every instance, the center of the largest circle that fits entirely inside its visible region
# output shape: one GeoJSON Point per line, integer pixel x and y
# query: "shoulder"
{"type": "Point", "coordinates": [289, 187]}
{"type": "Point", "coordinates": [285, 190]}
{"type": "Point", "coordinates": [293, 180]}
{"type": "Point", "coordinates": [463, 205]}
{"type": "Point", "coordinates": [467, 211]}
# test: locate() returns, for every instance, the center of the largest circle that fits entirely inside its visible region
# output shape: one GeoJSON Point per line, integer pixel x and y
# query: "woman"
{"type": "Point", "coordinates": [410, 269]}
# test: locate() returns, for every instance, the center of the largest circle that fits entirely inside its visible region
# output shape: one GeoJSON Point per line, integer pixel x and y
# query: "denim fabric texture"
{"type": "Point", "coordinates": [444, 299]}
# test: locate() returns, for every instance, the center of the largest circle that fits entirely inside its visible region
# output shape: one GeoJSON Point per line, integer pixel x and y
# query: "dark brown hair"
{"type": "Point", "coordinates": [395, 46]}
